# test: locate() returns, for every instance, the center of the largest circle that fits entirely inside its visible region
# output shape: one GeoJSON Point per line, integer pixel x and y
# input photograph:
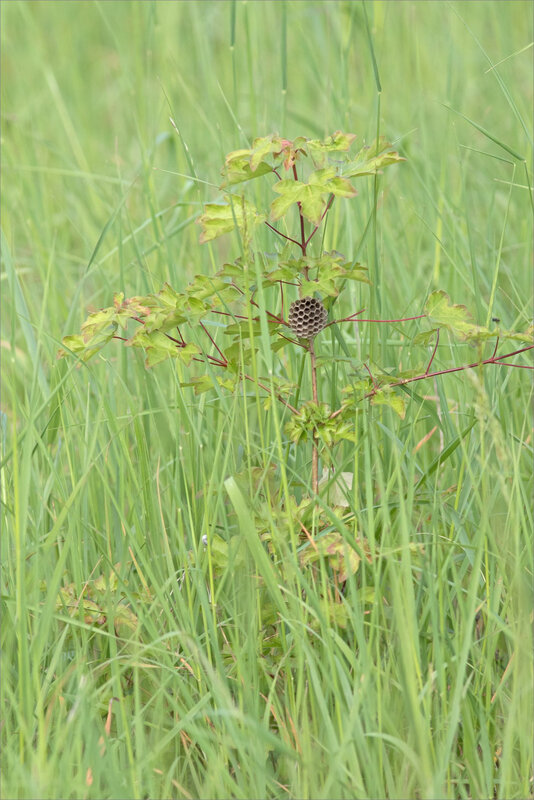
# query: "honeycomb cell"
{"type": "Point", "coordinates": [307, 317]}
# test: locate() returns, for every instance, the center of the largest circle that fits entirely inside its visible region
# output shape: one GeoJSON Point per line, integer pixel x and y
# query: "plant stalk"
{"type": "Point", "coordinates": [315, 450]}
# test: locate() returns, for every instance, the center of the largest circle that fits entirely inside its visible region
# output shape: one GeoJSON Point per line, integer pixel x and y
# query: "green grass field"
{"type": "Point", "coordinates": [137, 662]}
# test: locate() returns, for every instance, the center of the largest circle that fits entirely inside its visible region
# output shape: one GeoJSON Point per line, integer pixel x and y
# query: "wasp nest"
{"type": "Point", "coordinates": [307, 317]}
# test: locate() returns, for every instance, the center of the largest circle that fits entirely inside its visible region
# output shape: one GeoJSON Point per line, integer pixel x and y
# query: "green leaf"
{"type": "Point", "coordinates": [281, 387]}
{"type": "Point", "coordinates": [200, 383]}
{"type": "Point", "coordinates": [219, 219]}
{"type": "Point", "coordinates": [76, 344]}
{"type": "Point", "coordinates": [337, 141]}
{"type": "Point", "coordinates": [357, 272]}
{"type": "Point", "coordinates": [262, 147]}
{"type": "Point", "coordinates": [165, 319]}
{"type": "Point", "coordinates": [331, 275]}
{"type": "Point", "coordinates": [327, 260]}
{"type": "Point", "coordinates": [324, 285]}
{"type": "Point", "coordinates": [479, 335]}
{"type": "Point", "coordinates": [72, 342]}
{"type": "Point", "coordinates": [281, 273]}
{"type": "Point", "coordinates": [236, 269]}
{"type": "Point", "coordinates": [245, 329]}
{"type": "Point", "coordinates": [312, 195]}
{"type": "Point", "coordinates": [527, 337]}
{"type": "Point", "coordinates": [279, 343]}
{"type": "Point", "coordinates": [226, 553]}
{"type": "Point", "coordinates": [291, 150]}
{"type": "Point", "coordinates": [329, 265]}
{"type": "Point", "coordinates": [343, 429]}
{"type": "Point", "coordinates": [314, 420]}
{"type": "Point", "coordinates": [386, 397]}
{"type": "Point", "coordinates": [159, 347]}
{"type": "Point", "coordinates": [243, 165]}
{"type": "Point", "coordinates": [98, 324]}
{"type": "Point", "coordinates": [371, 159]}
{"type": "Point", "coordinates": [236, 354]}
{"type": "Point", "coordinates": [439, 309]}
{"type": "Point", "coordinates": [356, 392]}
{"type": "Point", "coordinates": [96, 331]}
{"type": "Point", "coordinates": [205, 286]}
{"type": "Point", "coordinates": [404, 375]}
{"type": "Point", "coordinates": [328, 180]}
{"type": "Point", "coordinates": [204, 383]}
{"type": "Point", "coordinates": [456, 318]}
{"type": "Point", "coordinates": [426, 337]}
{"type": "Point", "coordinates": [311, 199]}
{"type": "Point", "coordinates": [343, 559]}
{"type": "Point", "coordinates": [308, 419]}
{"type": "Point", "coordinates": [238, 170]}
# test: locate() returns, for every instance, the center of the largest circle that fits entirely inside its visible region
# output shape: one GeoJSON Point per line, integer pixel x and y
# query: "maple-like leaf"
{"type": "Point", "coordinates": [386, 397]}
{"type": "Point", "coordinates": [371, 159]}
{"type": "Point", "coordinates": [221, 218]}
{"type": "Point", "coordinates": [456, 318]}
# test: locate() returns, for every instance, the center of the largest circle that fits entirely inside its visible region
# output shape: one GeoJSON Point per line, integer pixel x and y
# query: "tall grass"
{"type": "Point", "coordinates": [150, 647]}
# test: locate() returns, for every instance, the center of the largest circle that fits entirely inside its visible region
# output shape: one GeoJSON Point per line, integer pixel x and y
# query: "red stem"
{"type": "Point", "coordinates": [254, 319]}
{"type": "Point", "coordinates": [350, 319]}
{"type": "Point", "coordinates": [303, 242]}
{"type": "Point", "coordinates": [323, 215]}
{"type": "Point", "coordinates": [434, 353]}
{"type": "Point", "coordinates": [375, 384]}
{"type": "Point", "coordinates": [213, 341]}
{"type": "Point", "coordinates": [228, 314]}
{"type": "Point", "coordinates": [279, 397]}
{"type": "Point", "coordinates": [519, 366]}
{"type": "Point", "coordinates": [515, 353]}
{"type": "Point", "coordinates": [289, 239]}
{"type": "Point", "coordinates": [212, 360]}
{"type": "Point", "coordinates": [498, 360]}
{"type": "Point", "coordinates": [493, 360]}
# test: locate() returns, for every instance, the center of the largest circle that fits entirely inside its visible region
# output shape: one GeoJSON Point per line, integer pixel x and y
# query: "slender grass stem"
{"type": "Point", "coordinates": [315, 395]}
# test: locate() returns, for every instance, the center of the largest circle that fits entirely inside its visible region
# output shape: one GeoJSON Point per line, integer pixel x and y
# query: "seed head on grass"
{"type": "Point", "coordinates": [307, 317]}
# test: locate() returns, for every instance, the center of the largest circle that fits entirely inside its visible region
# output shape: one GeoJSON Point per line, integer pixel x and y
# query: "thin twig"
{"type": "Point", "coordinates": [515, 353]}
{"type": "Point", "coordinates": [498, 360]}
{"type": "Point", "coordinates": [323, 215]}
{"type": "Point", "coordinates": [403, 319]}
{"type": "Point", "coordinates": [506, 364]}
{"type": "Point", "coordinates": [347, 319]}
{"type": "Point", "coordinates": [212, 340]}
{"type": "Point", "coordinates": [375, 384]}
{"type": "Point", "coordinates": [302, 244]}
{"type": "Point", "coordinates": [434, 352]}
{"type": "Point", "coordinates": [315, 451]}
{"type": "Point", "coordinates": [278, 396]}
{"type": "Point", "coordinates": [289, 239]}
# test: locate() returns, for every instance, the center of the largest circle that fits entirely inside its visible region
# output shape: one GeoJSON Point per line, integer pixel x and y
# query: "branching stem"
{"type": "Point", "coordinates": [351, 319]}
{"type": "Point", "coordinates": [493, 360]}
{"type": "Point", "coordinates": [283, 235]}
{"type": "Point", "coordinates": [212, 340]}
{"type": "Point", "coordinates": [278, 396]}
{"type": "Point", "coordinates": [323, 215]}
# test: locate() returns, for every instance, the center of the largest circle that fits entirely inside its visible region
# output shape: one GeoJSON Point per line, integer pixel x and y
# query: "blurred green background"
{"type": "Point", "coordinates": [99, 193]}
{"type": "Point", "coordinates": [88, 89]}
